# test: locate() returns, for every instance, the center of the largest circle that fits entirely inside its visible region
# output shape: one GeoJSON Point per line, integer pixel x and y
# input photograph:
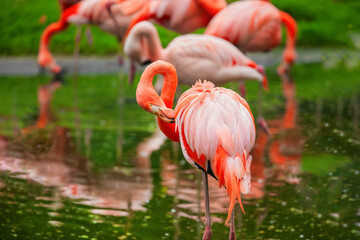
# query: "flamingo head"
{"type": "Point", "coordinates": [164, 113]}
{"type": "Point", "coordinates": [150, 101]}
{"type": "Point", "coordinates": [136, 45]}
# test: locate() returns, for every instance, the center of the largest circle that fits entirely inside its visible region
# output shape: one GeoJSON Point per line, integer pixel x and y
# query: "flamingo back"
{"type": "Point", "coordinates": [198, 56]}
{"type": "Point", "coordinates": [217, 133]}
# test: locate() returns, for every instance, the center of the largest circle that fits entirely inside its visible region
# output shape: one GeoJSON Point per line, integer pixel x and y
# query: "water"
{"type": "Point", "coordinates": [95, 167]}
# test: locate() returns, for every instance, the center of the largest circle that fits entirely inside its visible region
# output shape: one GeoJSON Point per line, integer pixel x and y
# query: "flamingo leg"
{"type": "Point", "coordinates": [89, 35]}
{"type": "Point", "coordinates": [232, 235]}
{"type": "Point", "coordinates": [207, 232]}
{"type": "Point", "coordinates": [108, 6]}
{"type": "Point", "coordinates": [242, 89]}
{"type": "Point", "coordinates": [261, 120]}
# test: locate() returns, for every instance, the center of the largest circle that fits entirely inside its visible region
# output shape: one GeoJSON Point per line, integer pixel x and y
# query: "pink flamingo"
{"type": "Point", "coordinates": [195, 56]}
{"type": "Point", "coordinates": [182, 16]}
{"type": "Point", "coordinates": [107, 14]}
{"type": "Point", "coordinates": [215, 127]}
{"type": "Point", "coordinates": [256, 26]}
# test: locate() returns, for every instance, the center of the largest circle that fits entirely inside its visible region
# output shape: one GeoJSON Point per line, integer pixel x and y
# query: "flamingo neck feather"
{"type": "Point", "coordinates": [148, 33]}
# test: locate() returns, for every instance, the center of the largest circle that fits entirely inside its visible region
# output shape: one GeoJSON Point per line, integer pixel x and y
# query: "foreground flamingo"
{"type": "Point", "coordinates": [195, 56]}
{"type": "Point", "coordinates": [256, 26]}
{"type": "Point", "coordinates": [107, 14]}
{"type": "Point", "coordinates": [214, 126]}
{"type": "Point", "coordinates": [182, 16]}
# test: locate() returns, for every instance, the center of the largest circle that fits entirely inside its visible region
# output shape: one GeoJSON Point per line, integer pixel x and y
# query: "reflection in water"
{"type": "Point", "coordinates": [50, 158]}
{"type": "Point", "coordinates": [283, 148]}
{"type": "Point", "coordinates": [78, 197]}
{"type": "Point", "coordinates": [45, 94]}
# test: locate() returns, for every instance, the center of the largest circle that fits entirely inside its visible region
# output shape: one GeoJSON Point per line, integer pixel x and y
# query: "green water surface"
{"type": "Point", "coordinates": [95, 172]}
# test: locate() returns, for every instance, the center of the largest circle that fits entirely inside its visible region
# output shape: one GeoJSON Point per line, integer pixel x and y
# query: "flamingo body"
{"type": "Point", "coordinates": [107, 14]}
{"type": "Point", "coordinates": [255, 26]}
{"type": "Point", "coordinates": [182, 16]}
{"type": "Point", "coordinates": [215, 126]}
{"type": "Point", "coordinates": [217, 133]}
{"type": "Point", "coordinates": [195, 56]}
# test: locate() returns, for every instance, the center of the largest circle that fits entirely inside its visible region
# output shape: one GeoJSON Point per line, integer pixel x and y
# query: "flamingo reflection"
{"type": "Point", "coordinates": [117, 191]}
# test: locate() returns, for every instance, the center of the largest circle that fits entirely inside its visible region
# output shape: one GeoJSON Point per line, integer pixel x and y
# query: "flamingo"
{"type": "Point", "coordinates": [215, 127]}
{"type": "Point", "coordinates": [107, 14]}
{"type": "Point", "coordinates": [182, 16]}
{"type": "Point", "coordinates": [256, 26]}
{"type": "Point", "coordinates": [195, 56]}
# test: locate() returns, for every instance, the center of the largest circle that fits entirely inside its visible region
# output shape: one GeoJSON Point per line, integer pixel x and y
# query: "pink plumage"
{"type": "Point", "coordinates": [217, 130]}
{"type": "Point", "coordinates": [195, 56]}
{"type": "Point", "coordinates": [107, 14]}
{"type": "Point", "coordinates": [255, 26]}
{"type": "Point", "coordinates": [182, 16]}
{"type": "Point", "coordinates": [214, 125]}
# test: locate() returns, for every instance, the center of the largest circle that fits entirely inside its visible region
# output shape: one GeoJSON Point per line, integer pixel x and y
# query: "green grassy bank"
{"type": "Point", "coordinates": [322, 23]}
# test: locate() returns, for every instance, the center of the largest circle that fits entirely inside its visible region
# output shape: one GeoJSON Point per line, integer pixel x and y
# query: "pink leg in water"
{"type": "Point", "coordinates": [242, 90]}
{"type": "Point", "coordinates": [207, 232]}
{"type": "Point", "coordinates": [132, 71]}
{"type": "Point", "coordinates": [232, 235]}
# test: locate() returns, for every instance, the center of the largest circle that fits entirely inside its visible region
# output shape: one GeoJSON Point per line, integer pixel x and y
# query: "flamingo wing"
{"type": "Point", "coordinates": [217, 133]}
{"type": "Point", "coordinates": [208, 117]}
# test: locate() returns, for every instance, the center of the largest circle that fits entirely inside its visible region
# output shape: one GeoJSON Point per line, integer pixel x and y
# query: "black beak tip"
{"type": "Point", "coordinates": [59, 77]}
{"type": "Point", "coordinates": [145, 63]}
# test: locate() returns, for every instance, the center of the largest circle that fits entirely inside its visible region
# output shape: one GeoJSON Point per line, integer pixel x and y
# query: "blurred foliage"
{"type": "Point", "coordinates": [321, 23]}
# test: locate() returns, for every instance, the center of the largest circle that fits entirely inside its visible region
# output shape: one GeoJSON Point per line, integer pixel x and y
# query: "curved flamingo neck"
{"type": "Point", "coordinates": [291, 32]}
{"type": "Point", "coordinates": [149, 38]}
{"type": "Point", "coordinates": [145, 93]}
{"type": "Point", "coordinates": [59, 25]}
{"type": "Point", "coordinates": [50, 30]}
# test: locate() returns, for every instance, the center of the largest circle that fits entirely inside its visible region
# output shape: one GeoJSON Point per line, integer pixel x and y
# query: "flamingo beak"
{"type": "Point", "coordinates": [146, 62]}
{"type": "Point", "coordinates": [265, 83]}
{"type": "Point", "coordinates": [165, 114]}
{"type": "Point", "coordinates": [131, 75]}
{"type": "Point", "coordinates": [261, 70]}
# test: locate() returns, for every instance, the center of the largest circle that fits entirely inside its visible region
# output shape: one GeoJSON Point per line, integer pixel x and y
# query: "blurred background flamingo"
{"type": "Point", "coordinates": [195, 56]}
{"type": "Point", "coordinates": [256, 26]}
{"type": "Point", "coordinates": [181, 16]}
{"type": "Point", "coordinates": [107, 14]}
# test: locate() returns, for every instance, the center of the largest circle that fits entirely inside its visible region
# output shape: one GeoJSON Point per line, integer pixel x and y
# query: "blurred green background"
{"type": "Point", "coordinates": [322, 23]}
